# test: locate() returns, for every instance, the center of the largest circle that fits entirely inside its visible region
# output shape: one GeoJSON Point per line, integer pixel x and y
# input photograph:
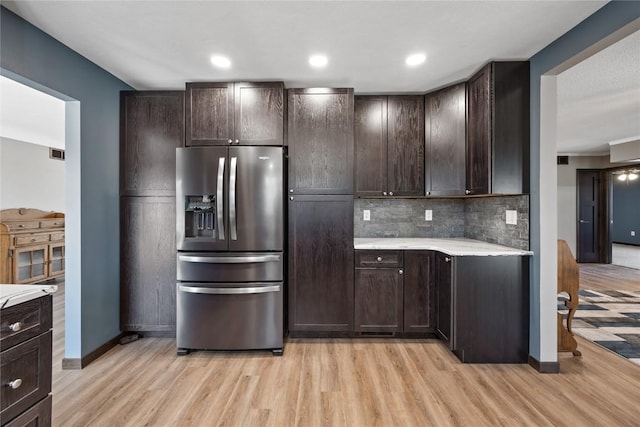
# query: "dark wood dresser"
{"type": "Point", "coordinates": [25, 363]}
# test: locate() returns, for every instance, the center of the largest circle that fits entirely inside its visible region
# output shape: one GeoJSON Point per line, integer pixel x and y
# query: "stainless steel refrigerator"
{"type": "Point", "coordinates": [230, 242]}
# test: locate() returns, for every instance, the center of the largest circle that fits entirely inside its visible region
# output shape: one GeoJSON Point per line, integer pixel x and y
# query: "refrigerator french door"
{"type": "Point", "coordinates": [230, 241]}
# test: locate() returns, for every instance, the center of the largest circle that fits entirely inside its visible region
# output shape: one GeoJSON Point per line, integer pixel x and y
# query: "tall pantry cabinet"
{"type": "Point", "coordinates": [320, 208]}
{"type": "Point", "coordinates": [151, 128]}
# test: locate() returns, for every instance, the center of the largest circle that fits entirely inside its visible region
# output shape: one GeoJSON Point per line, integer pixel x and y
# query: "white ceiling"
{"type": "Point", "coordinates": [163, 44]}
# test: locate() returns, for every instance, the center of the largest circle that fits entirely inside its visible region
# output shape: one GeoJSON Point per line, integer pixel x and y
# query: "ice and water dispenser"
{"type": "Point", "coordinates": [199, 216]}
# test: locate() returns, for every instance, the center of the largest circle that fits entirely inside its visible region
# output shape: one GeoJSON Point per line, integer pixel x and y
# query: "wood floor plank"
{"type": "Point", "coordinates": [602, 277]}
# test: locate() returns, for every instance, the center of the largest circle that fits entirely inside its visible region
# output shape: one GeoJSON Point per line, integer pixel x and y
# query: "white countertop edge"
{"type": "Point", "coordinates": [11, 295]}
{"type": "Point", "coordinates": [453, 246]}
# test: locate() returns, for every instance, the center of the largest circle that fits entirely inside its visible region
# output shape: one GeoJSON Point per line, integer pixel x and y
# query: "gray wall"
{"type": "Point", "coordinates": [481, 218]}
{"type": "Point", "coordinates": [610, 18]}
{"type": "Point", "coordinates": [626, 212]}
{"type": "Point", "coordinates": [39, 60]}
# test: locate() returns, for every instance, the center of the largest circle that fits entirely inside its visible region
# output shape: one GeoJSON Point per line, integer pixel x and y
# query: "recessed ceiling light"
{"type": "Point", "coordinates": [221, 61]}
{"type": "Point", "coordinates": [415, 59]}
{"type": "Point", "coordinates": [318, 61]}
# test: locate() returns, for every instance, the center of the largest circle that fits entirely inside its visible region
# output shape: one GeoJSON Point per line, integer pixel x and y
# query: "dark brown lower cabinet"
{"type": "Point", "coordinates": [320, 264]}
{"type": "Point", "coordinates": [148, 264]}
{"type": "Point", "coordinates": [378, 300]}
{"type": "Point", "coordinates": [483, 307]}
{"type": "Point", "coordinates": [419, 291]}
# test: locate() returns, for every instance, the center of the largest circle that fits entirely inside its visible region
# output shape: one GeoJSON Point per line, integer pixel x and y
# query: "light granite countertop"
{"type": "Point", "coordinates": [453, 247]}
{"type": "Point", "coordinates": [15, 294]}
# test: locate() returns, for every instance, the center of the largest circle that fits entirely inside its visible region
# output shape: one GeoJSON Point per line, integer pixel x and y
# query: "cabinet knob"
{"type": "Point", "coordinates": [384, 193]}
{"type": "Point", "coordinates": [428, 193]}
{"type": "Point", "coordinates": [291, 190]}
{"type": "Point", "coordinates": [15, 327]}
{"type": "Point", "coordinates": [237, 141]}
{"type": "Point", "coordinates": [447, 259]}
{"type": "Point", "coordinates": [400, 271]}
{"type": "Point", "coordinates": [15, 383]}
{"type": "Point", "coordinates": [21, 225]}
{"type": "Point", "coordinates": [391, 193]}
{"type": "Point", "coordinates": [379, 259]}
{"type": "Point", "coordinates": [467, 191]}
{"type": "Point", "coordinates": [230, 141]}
{"type": "Point", "coordinates": [291, 198]}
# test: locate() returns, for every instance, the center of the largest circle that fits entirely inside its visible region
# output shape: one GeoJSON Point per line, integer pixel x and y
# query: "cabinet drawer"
{"type": "Point", "coordinates": [22, 225]}
{"type": "Point", "coordinates": [31, 239]}
{"type": "Point", "coordinates": [24, 321]}
{"type": "Point", "coordinates": [26, 375]}
{"type": "Point", "coordinates": [383, 259]}
{"type": "Point", "coordinates": [51, 223]}
{"type": "Point", "coordinates": [57, 236]}
{"type": "Point", "coordinates": [38, 415]}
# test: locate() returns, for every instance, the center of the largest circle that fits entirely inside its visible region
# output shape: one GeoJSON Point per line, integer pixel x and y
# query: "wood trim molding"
{"type": "Point", "coordinates": [81, 363]}
{"type": "Point", "coordinates": [544, 367]}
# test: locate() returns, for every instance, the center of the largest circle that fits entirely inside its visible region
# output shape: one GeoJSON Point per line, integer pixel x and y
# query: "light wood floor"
{"type": "Point", "coordinates": [602, 277]}
{"type": "Point", "coordinates": [370, 382]}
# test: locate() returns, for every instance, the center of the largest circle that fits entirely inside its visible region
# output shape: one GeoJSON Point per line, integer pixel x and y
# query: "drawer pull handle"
{"type": "Point", "coordinates": [15, 383]}
{"type": "Point", "coordinates": [15, 327]}
{"type": "Point", "coordinates": [379, 259]}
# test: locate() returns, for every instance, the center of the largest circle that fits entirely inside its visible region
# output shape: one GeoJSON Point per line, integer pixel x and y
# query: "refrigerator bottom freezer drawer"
{"type": "Point", "coordinates": [229, 316]}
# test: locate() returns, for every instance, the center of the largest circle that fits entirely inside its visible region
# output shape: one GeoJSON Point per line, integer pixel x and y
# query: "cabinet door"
{"type": "Point", "coordinates": [419, 291]}
{"type": "Point", "coordinates": [378, 300]}
{"type": "Point", "coordinates": [321, 263]}
{"type": "Point", "coordinates": [320, 131]}
{"type": "Point", "coordinates": [148, 264]}
{"type": "Point", "coordinates": [152, 126]}
{"type": "Point", "coordinates": [405, 149]}
{"type": "Point", "coordinates": [445, 144]}
{"type": "Point", "coordinates": [445, 302]}
{"type": "Point", "coordinates": [209, 113]}
{"type": "Point", "coordinates": [56, 259]}
{"type": "Point", "coordinates": [259, 113]}
{"type": "Point", "coordinates": [371, 145]}
{"type": "Point", "coordinates": [30, 264]}
{"type": "Point", "coordinates": [479, 132]}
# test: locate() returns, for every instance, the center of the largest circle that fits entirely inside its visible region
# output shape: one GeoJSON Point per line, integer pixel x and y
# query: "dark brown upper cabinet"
{"type": "Point", "coordinates": [151, 128]}
{"type": "Point", "coordinates": [389, 132]}
{"type": "Point", "coordinates": [498, 129]}
{"type": "Point", "coordinates": [320, 134]}
{"type": "Point", "coordinates": [222, 113]}
{"type": "Point", "coordinates": [445, 141]}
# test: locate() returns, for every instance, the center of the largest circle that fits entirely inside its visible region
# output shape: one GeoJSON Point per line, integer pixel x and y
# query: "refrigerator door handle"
{"type": "Point", "coordinates": [229, 291]}
{"type": "Point", "coordinates": [220, 198]}
{"type": "Point", "coordinates": [229, 259]}
{"type": "Point", "coordinates": [232, 199]}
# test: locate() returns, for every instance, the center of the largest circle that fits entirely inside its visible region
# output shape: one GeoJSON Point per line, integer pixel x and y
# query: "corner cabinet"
{"type": "Point", "coordinates": [32, 245]}
{"type": "Point", "coordinates": [25, 359]}
{"type": "Point", "coordinates": [445, 141]}
{"type": "Point", "coordinates": [483, 307]}
{"type": "Point", "coordinates": [221, 113]}
{"type": "Point", "coordinates": [498, 129]}
{"type": "Point", "coordinates": [389, 140]}
{"type": "Point", "coordinates": [152, 127]}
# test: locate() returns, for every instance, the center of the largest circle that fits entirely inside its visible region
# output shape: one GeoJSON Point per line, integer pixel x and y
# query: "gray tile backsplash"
{"type": "Point", "coordinates": [475, 218]}
{"type": "Point", "coordinates": [485, 220]}
{"type": "Point", "coordinates": [405, 218]}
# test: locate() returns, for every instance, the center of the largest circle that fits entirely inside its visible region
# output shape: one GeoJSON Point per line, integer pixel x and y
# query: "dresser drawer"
{"type": "Point", "coordinates": [31, 239]}
{"type": "Point", "coordinates": [24, 321]}
{"type": "Point", "coordinates": [26, 375]}
{"type": "Point", "coordinates": [52, 223]}
{"type": "Point", "coordinates": [38, 415]}
{"type": "Point", "coordinates": [22, 225]}
{"type": "Point", "coordinates": [57, 236]}
{"type": "Point", "coordinates": [381, 259]}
